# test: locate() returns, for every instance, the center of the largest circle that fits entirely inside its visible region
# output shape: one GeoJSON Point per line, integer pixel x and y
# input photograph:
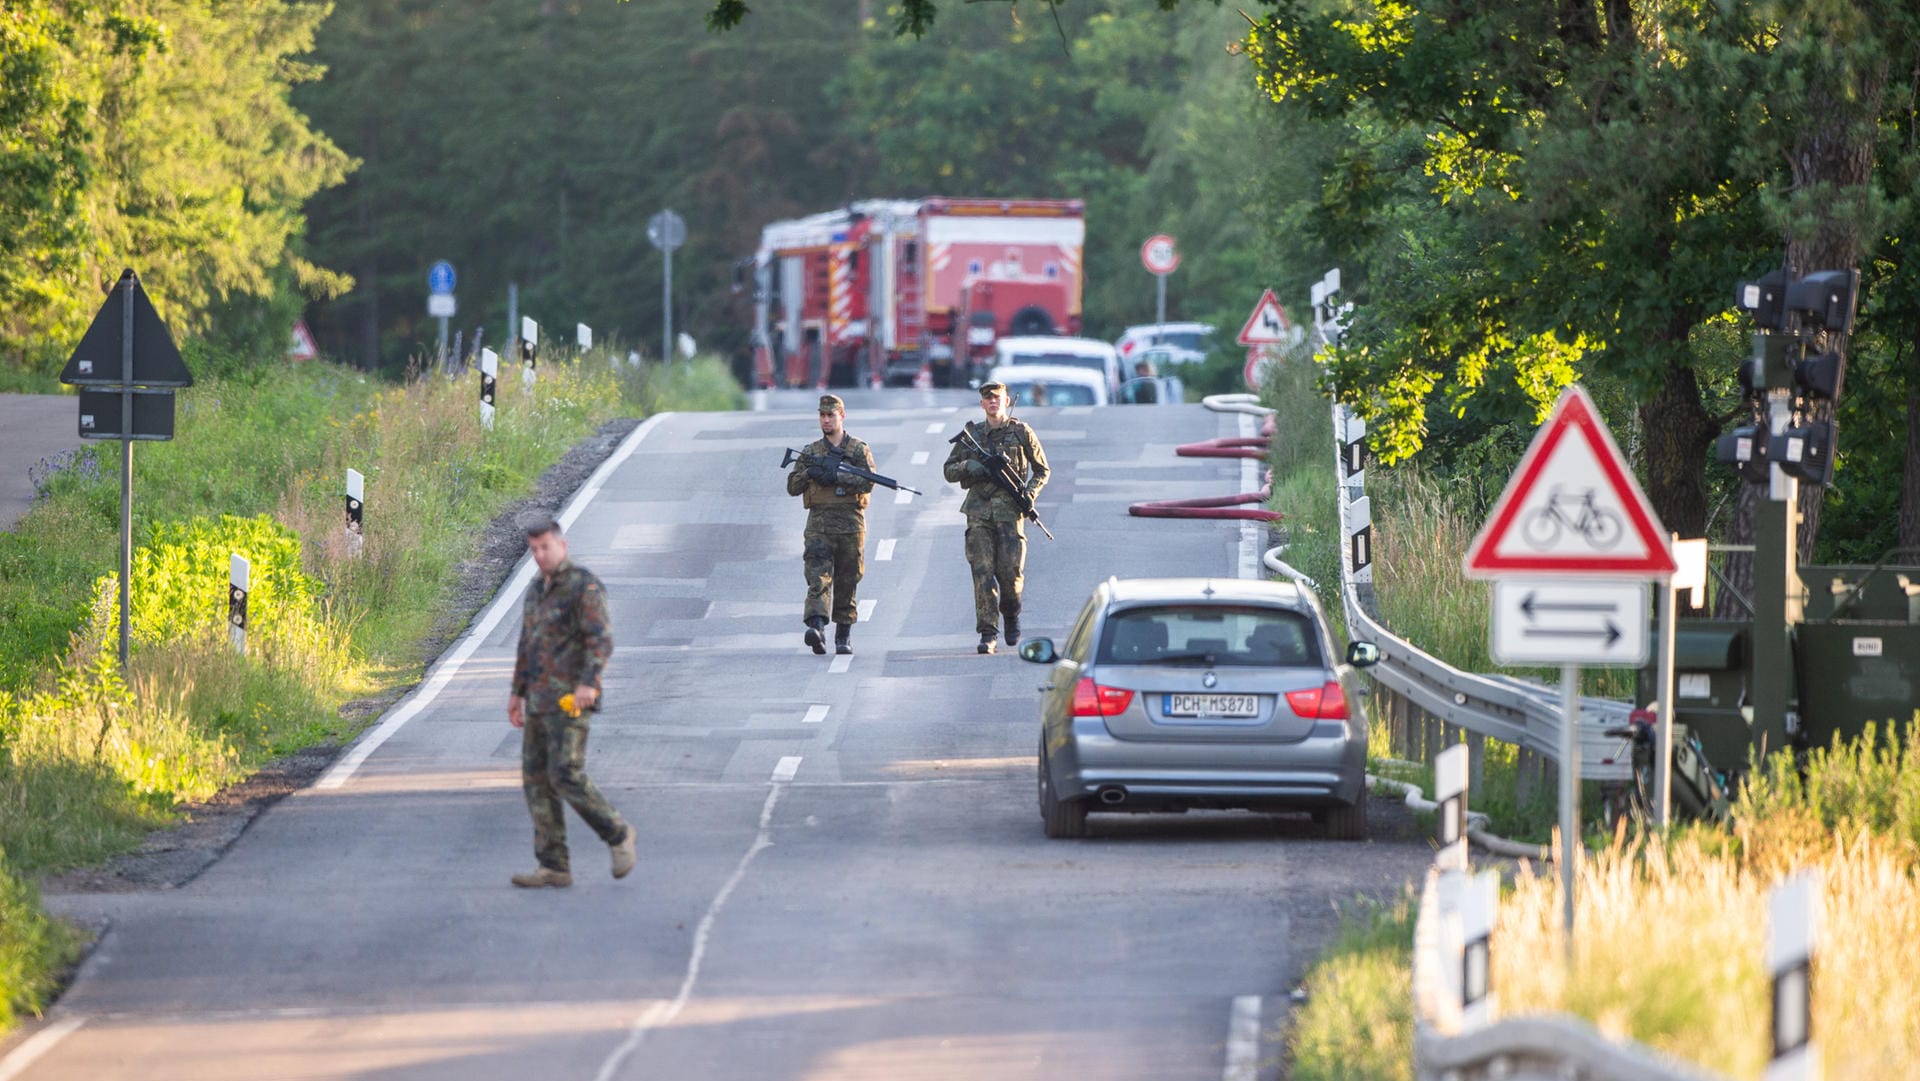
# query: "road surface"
{"type": "Point", "coordinates": [842, 872]}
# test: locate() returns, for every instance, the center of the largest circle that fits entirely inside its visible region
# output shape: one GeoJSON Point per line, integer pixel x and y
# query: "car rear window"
{"type": "Point", "coordinates": [1211, 635]}
{"type": "Point", "coordinates": [1050, 394]}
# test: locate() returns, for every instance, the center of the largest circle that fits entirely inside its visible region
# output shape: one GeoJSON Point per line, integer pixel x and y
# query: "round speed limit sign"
{"type": "Point", "coordinates": [1159, 255]}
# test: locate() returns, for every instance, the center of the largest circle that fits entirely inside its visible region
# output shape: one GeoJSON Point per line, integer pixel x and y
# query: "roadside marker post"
{"type": "Point", "coordinates": [529, 351]}
{"type": "Point", "coordinates": [356, 504]}
{"type": "Point", "coordinates": [239, 584]}
{"type": "Point", "coordinates": [489, 378]}
{"type": "Point", "coordinates": [1450, 791]}
{"type": "Point", "coordinates": [1794, 912]}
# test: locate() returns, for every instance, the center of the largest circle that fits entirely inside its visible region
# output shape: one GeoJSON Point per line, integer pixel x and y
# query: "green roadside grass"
{"type": "Point", "coordinates": [1670, 928]}
{"type": "Point", "coordinates": [92, 758]}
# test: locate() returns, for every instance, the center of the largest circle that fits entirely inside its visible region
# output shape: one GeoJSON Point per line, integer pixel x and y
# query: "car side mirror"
{"type": "Point", "coordinates": [1363, 654]}
{"type": "Point", "coordinates": [1038, 650]}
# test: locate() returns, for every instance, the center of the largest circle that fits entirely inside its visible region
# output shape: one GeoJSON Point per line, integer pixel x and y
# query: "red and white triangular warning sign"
{"type": "Point", "coordinates": [1267, 325]}
{"type": "Point", "coordinates": [301, 346]}
{"type": "Point", "coordinates": [1572, 507]}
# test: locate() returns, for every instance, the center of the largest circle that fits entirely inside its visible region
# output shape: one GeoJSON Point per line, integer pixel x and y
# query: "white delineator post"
{"type": "Point", "coordinates": [239, 583]}
{"type": "Point", "coordinates": [1794, 924]}
{"type": "Point", "coordinates": [529, 351]}
{"type": "Point", "coordinates": [1450, 792]}
{"type": "Point", "coordinates": [356, 505]}
{"type": "Point", "coordinates": [489, 379]}
{"type": "Point", "coordinates": [583, 336]}
{"type": "Point", "coordinates": [1477, 905]}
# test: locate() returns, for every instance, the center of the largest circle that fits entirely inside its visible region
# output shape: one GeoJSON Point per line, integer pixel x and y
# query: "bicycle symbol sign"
{"type": "Point", "coordinates": [1572, 507]}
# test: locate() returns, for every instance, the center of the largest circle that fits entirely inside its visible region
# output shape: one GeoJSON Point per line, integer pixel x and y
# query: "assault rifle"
{"type": "Point", "coordinates": [836, 460]}
{"type": "Point", "coordinates": [1000, 472]}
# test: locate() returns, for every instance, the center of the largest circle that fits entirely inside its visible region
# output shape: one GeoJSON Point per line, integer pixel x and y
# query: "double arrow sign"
{"type": "Point", "coordinates": [1557, 621]}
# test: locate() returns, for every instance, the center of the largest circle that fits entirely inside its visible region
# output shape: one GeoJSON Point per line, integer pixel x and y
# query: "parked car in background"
{"type": "Point", "coordinates": [1171, 343]}
{"type": "Point", "coordinates": [1176, 693]}
{"type": "Point", "coordinates": [1089, 353]}
{"type": "Point", "coordinates": [1051, 384]}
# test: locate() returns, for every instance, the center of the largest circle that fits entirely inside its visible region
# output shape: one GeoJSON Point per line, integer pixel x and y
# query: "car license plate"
{"type": "Point", "coordinates": [1211, 705]}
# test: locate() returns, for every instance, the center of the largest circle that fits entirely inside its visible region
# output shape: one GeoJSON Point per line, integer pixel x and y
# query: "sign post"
{"type": "Point", "coordinates": [1570, 545]}
{"type": "Point", "coordinates": [667, 231]}
{"type": "Point", "coordinates": [1161, 256]}
{"type": "Point", "coordinates": [126, 348]}
{"type": "Point", "coordinates": [440, 302]}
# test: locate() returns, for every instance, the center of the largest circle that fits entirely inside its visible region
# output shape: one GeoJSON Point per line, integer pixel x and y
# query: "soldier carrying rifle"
{"type": "Point", "coordinates": [1000, 463]}
{"type": "Point", "coordinates": [832, 477]}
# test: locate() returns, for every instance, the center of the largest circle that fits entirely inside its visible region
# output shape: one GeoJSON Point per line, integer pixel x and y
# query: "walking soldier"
{"type": "Point", "coordinates": [836, 531]}
{"type": "Point", "coordinates": [999, 500]}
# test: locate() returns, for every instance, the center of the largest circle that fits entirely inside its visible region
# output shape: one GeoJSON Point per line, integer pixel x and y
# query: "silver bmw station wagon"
{"type": "Point", "coordinates": [1178, 693]}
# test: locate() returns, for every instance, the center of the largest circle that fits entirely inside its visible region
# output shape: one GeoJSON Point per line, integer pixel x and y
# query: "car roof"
{"type": "Point", "coordinates": [1039, 343]}
{"type": "Point", "coordinates": [1134, 591]}
{"type": "Point", "coordinates": [1046, 373]}
{"type": "Point", "coordinates": [1148, 328]}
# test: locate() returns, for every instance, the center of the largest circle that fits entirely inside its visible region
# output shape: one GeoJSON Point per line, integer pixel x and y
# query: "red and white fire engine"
{"type": "Point", "coordinates": [883, 289]}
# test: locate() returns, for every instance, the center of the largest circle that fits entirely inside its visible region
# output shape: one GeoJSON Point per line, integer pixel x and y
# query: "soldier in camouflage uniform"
{"type": "Point", "coordinates": [565, 640]}
{"type": "Point", "coordinates": [836, 530]}
{"type": "Point", "coordinates": [996, 530]}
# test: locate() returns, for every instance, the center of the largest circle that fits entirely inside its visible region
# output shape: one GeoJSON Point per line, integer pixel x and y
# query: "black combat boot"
{"type": "Point", "coordinates": [813, 637]}
{"type": "Point", "coordinates": [986, 641]}
{"type": "Point", "coordinates": [840, 633]}
{"type": "Point", "coordinates": [1012, 622]}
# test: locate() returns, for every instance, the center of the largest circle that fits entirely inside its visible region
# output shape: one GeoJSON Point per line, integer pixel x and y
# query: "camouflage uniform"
{"type": "Point", "coordinates": [565, 640]}
{"type": "Point", "coordinates": [996, 530]}
{"type": "Point", "coordinates": [836, 532]}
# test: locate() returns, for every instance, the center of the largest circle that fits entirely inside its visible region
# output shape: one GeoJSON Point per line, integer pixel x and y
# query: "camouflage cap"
{"type": "Point", "coordinates": [831, 403]}
{"type": "Point", "coordinates": [988, 390]}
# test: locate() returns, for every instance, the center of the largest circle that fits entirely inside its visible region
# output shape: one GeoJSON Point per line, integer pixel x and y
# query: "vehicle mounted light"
{"type": "Point", "coordinates": [1325, 703]}
{"type": "Point", "coordinates": [1090, 699]}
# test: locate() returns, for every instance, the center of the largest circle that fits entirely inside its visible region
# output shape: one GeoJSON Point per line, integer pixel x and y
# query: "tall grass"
{"type": "Point", "coordinates": [1357, 1023]}
{"type": "Point", "coordinates": [91, 757]}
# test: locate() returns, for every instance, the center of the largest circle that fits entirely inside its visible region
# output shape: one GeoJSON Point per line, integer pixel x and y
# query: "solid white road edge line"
{"type": "Point", "coordinates": [449, 665]}
{"type": "Point", "coordinates": [1250, 532]}
{"type": "Point", "coordinates": [663, 1013]}
{"type": "Point", "coordinates": [1243, 1040]}
{"type": "Point", "coordinates": [36, 1045]}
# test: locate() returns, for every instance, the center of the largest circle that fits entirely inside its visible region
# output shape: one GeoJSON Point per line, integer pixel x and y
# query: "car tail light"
{"type": "Point", "coordinates": [1325, 703]}
{"type": "Point", "coordinates": [1090, 699]}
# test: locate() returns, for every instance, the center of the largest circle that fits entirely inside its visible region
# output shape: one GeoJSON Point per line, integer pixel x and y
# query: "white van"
{"type": "Point", "coordinates": [1050, 384]}
{"type": "Point", "coordinates": [1088, 353]}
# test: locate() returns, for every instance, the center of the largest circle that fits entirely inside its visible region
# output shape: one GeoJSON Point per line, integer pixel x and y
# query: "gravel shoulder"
{"type": "Point", "coordinates": [171, 857]}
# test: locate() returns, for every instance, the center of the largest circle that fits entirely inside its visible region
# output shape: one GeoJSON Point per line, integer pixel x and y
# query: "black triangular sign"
{"type": "Point", "coordinates": [98, 361]}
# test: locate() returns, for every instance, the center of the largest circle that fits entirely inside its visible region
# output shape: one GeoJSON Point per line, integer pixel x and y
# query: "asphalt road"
{"type": "Point", "coordinates": [842, 872]}
{"type": "Point", "coordinates": [32, 427]}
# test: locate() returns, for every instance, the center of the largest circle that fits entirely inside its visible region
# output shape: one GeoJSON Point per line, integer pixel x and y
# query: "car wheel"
{"type": "Point", "coordinates": [1348, 823]}
{"type": "Point", "coordinates": [1063, 818]}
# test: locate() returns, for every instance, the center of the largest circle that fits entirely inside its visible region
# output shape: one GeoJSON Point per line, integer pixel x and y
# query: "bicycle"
{"type": "Point", "coordinates": [1696, 790]}
{"type": "Point", "coordinates": [1596, 525]}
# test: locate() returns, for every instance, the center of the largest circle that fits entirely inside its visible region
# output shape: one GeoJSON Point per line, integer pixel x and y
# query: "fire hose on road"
{"type": "Point", "coordinates": [1222, 506]}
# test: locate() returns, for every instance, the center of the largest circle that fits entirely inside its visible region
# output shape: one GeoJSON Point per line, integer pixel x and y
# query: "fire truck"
{"type": "Point", "coordinates": [882, 290]}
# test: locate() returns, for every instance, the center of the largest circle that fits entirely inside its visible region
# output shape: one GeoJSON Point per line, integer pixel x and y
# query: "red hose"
{"type": "Point", "coordinates": [1214, 506]}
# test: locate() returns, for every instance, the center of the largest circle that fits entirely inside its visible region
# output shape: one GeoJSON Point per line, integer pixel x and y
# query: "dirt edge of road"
{"type": "Point", "coordinates": [170, 858]}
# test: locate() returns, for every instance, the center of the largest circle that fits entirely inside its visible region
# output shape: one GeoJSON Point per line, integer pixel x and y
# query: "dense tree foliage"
{"type": "Point", "coordinates": [160, 136]}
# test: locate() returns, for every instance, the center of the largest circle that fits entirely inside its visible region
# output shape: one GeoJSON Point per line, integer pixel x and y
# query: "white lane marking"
{"type": "Point", "coordinates": [784, 770]}
{"type": "Point", "coordinates": [815, 714]}
{"type": "Point", "coordinates": [885, 551]}
{"type": "Point", "coordinates": [864, 610]}
{"type": "Point", "coordinates": [36, 1045]}
{"type": "Point", "coordinates": [1251, 533]}
{"type": "Point", "coordinates": [449, 666]}
{"type": "Point", "coordinates": [1243, 1040]}
{"type": "Point", "coordinates": [935, 427]}
{"type": "Point", "coordinates": [663, 1013]}
{"type": "Point", "coordinates": [902, 496]}
{"type": "Point", "coordinates": [841, 663]}
{"type": "Point", "coordinates": [951, 409]}
{"type": "Point", "coordinates": [919, 457]}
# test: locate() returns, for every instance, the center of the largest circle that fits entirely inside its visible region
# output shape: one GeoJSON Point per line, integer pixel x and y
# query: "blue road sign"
{"type": "Point", "coordinates": [440, 278]}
